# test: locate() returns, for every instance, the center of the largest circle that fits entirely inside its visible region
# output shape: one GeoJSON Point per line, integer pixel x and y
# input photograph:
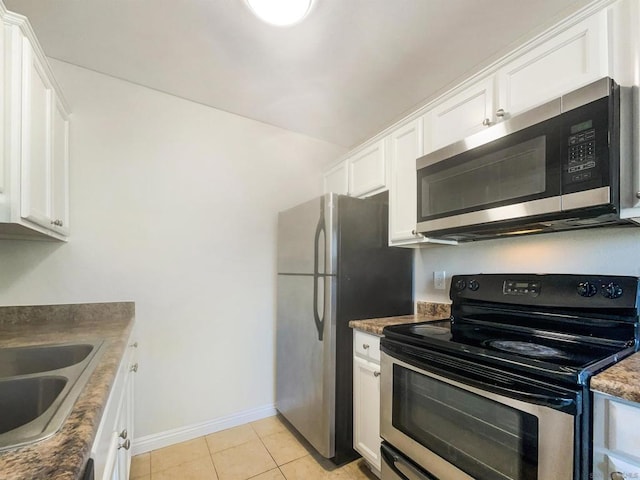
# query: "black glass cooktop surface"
{"type": "Point", "coordinates": [548, 354]}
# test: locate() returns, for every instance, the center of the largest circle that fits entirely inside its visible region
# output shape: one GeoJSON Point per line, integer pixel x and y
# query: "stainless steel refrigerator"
{"type": "Point", "coordinates": [334, 266]}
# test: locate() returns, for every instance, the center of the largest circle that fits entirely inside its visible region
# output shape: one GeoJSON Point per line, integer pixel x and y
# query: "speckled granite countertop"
{"type": "Point", "coordinates": [426, 311]}
{"type": "Point", "coordinates": [65, 454]}
{"type": "Point", "coordinates": [622, 380]}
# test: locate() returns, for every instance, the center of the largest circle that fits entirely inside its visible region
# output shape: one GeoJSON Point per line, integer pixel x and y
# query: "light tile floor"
{"type": "Point", "coordinates": [263, 450]}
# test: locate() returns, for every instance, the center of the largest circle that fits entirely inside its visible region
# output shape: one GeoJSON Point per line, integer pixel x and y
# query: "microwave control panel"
{"type": "Point", "coordinates": [582, 152]}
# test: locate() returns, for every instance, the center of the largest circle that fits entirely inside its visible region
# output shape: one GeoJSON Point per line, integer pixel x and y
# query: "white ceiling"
{"type": "Point", "coordinates": [348, 70]}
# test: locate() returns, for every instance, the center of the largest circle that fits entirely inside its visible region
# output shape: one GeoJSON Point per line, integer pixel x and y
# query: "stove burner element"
{"type": "Point", "coordinates": [526, 348]}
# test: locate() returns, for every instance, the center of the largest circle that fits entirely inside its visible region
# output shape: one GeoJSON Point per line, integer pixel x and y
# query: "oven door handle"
{"type": "Point", "coordinates": [401, 467]}
{"type": "Point", "coordinates": [555, 402]}
{"type": "Point", "coordinates": [487, 379]}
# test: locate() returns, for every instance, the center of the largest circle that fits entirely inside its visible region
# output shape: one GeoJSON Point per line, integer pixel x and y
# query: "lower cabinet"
{"type": "Point", "coordinates": [111, 450]}
{"type": "Point", "coordinates": [616, 438]}
{"type": "Point", "coordinates": [366, 398]}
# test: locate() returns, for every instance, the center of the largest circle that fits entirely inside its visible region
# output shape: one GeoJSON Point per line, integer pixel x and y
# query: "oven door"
{"type": "Point", "coordinates": [489, 426]}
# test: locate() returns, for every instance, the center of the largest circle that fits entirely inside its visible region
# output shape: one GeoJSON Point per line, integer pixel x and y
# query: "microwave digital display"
{"type": "Point", "coordinates": [581, 126]}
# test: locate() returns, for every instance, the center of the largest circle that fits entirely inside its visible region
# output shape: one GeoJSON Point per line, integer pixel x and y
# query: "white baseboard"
{"type": "Point", "coordinates": [189, 432]}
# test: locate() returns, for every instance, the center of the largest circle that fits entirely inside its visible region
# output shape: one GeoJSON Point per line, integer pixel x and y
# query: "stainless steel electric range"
{"type": "Point", "coordinates": [500, 391]}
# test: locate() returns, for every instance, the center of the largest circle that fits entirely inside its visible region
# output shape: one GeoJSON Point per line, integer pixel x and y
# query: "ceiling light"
{"type": "Point", "coordinates": [280, 12]}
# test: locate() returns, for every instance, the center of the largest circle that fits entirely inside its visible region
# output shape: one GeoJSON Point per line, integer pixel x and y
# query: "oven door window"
{"type": "Point", "coordinates": [485, 439]}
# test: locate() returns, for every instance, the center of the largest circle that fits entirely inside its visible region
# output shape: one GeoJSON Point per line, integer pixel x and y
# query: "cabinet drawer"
{"type": "Point", "coordinates": [367, 345]}
{"type": "Point", "coordinates": [624, 468]}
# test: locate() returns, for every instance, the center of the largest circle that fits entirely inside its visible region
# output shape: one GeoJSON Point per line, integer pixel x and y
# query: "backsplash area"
{"type": "Point", "coordinates": [433, 309]}
{"type": "Point", "coordinates": [599, 251]}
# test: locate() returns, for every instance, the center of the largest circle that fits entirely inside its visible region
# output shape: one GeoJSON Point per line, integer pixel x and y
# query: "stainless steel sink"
{"type": "Point", "coordinates": [42, 358]}
{"type": "Point", "coordinates": [39, 386]}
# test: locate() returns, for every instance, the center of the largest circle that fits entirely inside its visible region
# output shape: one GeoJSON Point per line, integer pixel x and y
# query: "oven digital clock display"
{"type": "Point", "coordinates": [520, 287]}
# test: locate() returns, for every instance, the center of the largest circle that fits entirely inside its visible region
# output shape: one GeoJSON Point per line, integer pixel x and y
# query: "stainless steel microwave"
{"type": "Point", "coordinates": [566, 164]}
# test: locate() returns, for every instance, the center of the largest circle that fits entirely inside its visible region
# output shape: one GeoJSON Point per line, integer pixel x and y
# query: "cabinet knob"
{"type": "Point", "coordinates": [134, 368]}
{"type": "Point", "coordinates": [57, 223]}
{"type": "Point", "coordinates": [500, 113]}
{"type": "Point", "coordinates": [126, 445]}
{"type": "Point", "coordinates": [365, 346]}
{"type": "Point", "coordinates": [617, 476]}
{"type": "Point", "coordinates": [134, 345]}
{"type": "Point", "coordinates": [637, 194]}
{"type": "Point", "coordinates": [415, 233]}
{"type": "Point", "coordinates": [486, 122]}
{"type": "Point", "coordinates": [124, 434]}
{"type": "Point", "coordinates": [376, 374]}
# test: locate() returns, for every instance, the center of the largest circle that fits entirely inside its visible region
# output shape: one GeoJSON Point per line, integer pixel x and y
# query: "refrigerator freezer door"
{"type": "Point", "coordinates": [307, 237]}
{"type": "Point", "coordinates": [305, 365]}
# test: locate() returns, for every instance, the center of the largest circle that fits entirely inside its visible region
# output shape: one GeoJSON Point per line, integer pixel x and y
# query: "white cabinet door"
{"type": "Point", "coordinates": [366, 410]}
{"type": "Point", "coordinates": [336, 180]}
{"type": "Point", "coordinates": [464, 114]}
{"type": "Point", "coordinates": [569, 60]}
{"type": "Point", "coordinates": [36, 160]}
{"type": "Point", "coordinates": [60, 170]}
{"type": "Point", "coordinates": [35, 140]}
{"type": "Point", "coordinates": [111, 450]}
{"type": "Point", "coordinates": [616, 438]}
{"type": "Point", "coordinates": [368, 170]}
{"type": "Point", "coordinates": [4, 131]}
{"type": "Point", "coordinates": [405, 146]}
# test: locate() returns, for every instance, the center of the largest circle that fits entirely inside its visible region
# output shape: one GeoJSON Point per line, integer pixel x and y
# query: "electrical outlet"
{"type": "Point", "coordinates": [439, 279]}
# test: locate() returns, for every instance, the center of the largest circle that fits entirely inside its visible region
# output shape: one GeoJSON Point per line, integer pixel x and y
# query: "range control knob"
{"type": "Point", "coordinates": [611, 290]}
{"type": "Point", "coordinates": [587, 289]}
{"type": "Point", "coordinates": [460, 285]}
{"type": "Point", "coordinates": [474, 285]}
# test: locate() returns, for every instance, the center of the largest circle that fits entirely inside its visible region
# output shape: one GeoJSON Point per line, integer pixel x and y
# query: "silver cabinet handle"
{"type": "Point", "coordinates": [617, 476]}
{"type": "Point", "coordinates": [500, 112]}
{"type": "Point", "coordinates": [415, 233]}
{"type": "Point", "coordinates": [637, 194]}
{"type": "Point", "coordinates": [134, 368]}
{"type": "Point", "coordinates": [57, 223]}
{"type": "Point", "coordinates": [126, 445]}
{"type": "Point", "coordinates": [365, 346]}
{"type": "Point", "coordinates": [134, 345]}
{"type": "Point", "coordinates": [376, 374]}
{"type": "Point", "coordinates": [486, 122]}
{"type": "Point", "coordinates": [124, 434]}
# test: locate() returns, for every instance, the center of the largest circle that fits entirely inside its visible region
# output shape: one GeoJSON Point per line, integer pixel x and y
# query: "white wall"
{"type": "Point", "coordinates": [174, 206]}
{"type": "Point", "coordinates": [613, 251]}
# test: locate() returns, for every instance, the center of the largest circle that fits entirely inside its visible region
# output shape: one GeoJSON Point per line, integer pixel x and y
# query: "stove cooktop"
{"type": "Point", "coordinates": [550, 326]}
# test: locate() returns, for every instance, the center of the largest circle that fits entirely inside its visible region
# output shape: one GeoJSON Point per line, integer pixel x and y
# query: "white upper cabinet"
{"type": "Point", "coordinates": [564, 62]}
{"type": "Point", "coordinates": [363, 174]}
{"type": "Point", "coordinates": [35, 186]}
{"type": "Point", "coordinates": [405, 146]}
{"type": "Point", "coordinates": [336, 180]}
{"type": "Point", "coordinates": [368, 170]}
{"type": "Point", "coordinates": [461, 115]}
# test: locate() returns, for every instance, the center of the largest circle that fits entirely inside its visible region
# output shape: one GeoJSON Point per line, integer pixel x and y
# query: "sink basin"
{"type": "Point", "coordinates": [44, 358]}
{"type": "Point", "coordinates": [25, 399]}
{"type": "Point", "coordinates": [39, 386]}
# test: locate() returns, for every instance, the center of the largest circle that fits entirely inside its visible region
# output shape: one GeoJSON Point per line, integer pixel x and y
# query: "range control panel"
{"type": "Point", "coordinates": [581, 291]}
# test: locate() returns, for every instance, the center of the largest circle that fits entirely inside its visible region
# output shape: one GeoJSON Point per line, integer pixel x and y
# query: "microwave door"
{"type": "Point", "coordinates": [511, 178]}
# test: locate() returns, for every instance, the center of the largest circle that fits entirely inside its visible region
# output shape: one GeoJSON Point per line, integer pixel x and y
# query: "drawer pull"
{"type": "Point", "coordinates": [617, 476]}
{"type": "Point", "coordinates": [376, 374]}
{"type": "Point", "coordinates": [124, 434]}
{"type": "Point", "coordinates": [126, 445]}
{"type": "Point", "coordinates": [365, 346]}
{"type": "Point", "coordinates": [134, 368]}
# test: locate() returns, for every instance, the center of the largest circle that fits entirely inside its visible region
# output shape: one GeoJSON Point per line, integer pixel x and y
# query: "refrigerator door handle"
{"type": "Point", "coordinates": [320, 230]}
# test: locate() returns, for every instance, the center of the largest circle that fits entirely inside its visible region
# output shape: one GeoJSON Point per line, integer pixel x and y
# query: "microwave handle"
{"type": "Point", "coordinates": [401, 467]}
